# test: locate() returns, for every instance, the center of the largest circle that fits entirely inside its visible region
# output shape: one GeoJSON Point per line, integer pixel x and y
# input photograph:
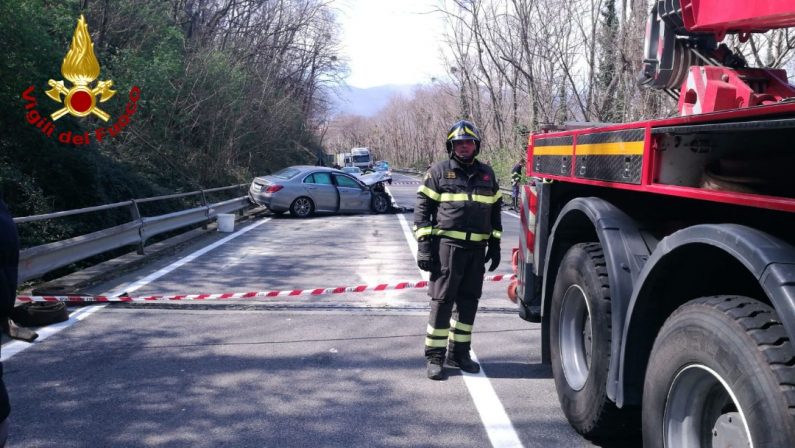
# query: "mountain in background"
{"type": "Point", "coordinates": [366, 102]}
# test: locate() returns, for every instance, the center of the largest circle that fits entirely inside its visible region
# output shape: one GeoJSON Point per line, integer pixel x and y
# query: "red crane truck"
{"type": "Point", "coordinates": [659, 256]}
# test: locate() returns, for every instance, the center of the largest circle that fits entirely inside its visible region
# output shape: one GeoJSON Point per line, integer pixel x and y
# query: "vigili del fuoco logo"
{"type": "Point", "coordinates": [80, 67]}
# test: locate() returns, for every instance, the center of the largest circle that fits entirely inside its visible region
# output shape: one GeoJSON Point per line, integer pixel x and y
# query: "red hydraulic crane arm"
{"type": "Point", "coordinates": [720, 17]}
{"type": "Point", "coordinates": [685, 58]}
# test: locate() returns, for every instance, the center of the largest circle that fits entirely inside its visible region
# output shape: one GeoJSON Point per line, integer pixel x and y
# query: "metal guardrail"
{"type": "Point", "coordinates": [38, 260]}
{"type": "Point", "coordinates": [506, 192]}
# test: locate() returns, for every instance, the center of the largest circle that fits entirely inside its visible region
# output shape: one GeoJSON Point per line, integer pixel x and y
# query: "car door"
{"type": "Point", "coordinates": [354, 197]}
{"type": "Point", "coordinates": [321, 189]}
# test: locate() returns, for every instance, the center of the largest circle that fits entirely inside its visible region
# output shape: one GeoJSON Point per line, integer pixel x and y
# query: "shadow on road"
{"type": "Point", "coordinates": [517, 370]}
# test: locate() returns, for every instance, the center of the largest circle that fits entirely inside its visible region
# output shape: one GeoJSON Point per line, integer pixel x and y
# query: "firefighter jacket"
{"type": "Point", "coordinates": [459, 203]}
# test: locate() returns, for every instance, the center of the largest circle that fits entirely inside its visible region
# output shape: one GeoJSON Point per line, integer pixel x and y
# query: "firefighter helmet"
{"type": "Point", "coordinates": [463, 130]}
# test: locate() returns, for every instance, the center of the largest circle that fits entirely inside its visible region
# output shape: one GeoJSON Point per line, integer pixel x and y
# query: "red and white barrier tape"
{"type": "Point", "coordinates": [415, 182]}
{"type": "Point", "coordinates": [247, 295]}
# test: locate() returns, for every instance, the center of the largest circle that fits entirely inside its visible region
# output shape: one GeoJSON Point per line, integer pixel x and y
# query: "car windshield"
{"type": "Point", "coordinates": [352, 170]}
{"type": "Point", "coordinates": [287, 173]}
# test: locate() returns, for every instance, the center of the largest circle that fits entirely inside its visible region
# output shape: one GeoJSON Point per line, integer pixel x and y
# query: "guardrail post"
{"type": "Point", "coordinates": [136, 216]}
{"type": "Point", "coordinates": [242, 211]}
{"type": "Point", "coordinates": [206, 210]}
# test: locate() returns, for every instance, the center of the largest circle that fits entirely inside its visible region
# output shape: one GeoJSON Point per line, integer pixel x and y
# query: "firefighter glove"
{"type": "Point", "coordinates": [425, 254]}
{"type": "Point", "coordinates": [493, 253]}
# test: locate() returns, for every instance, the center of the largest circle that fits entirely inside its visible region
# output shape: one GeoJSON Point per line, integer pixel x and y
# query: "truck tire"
{"type": "Point", "coordinates": [721, 373]}
{"type": "Point", "coordinates": [580, 344]}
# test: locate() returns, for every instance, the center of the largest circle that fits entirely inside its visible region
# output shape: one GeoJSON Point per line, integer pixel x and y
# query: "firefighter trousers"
{"type": "Point", "coordinates": [455, 290]}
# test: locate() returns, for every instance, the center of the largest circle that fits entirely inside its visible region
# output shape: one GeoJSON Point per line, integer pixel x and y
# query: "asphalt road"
{"type": "Point", "coordinates": [336, 370]}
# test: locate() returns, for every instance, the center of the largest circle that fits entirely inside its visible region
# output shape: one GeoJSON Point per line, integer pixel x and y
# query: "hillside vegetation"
{"type": "Point", "coordinates": [514, 65]}
{"type": "Point", "coordinates": [229, 90]}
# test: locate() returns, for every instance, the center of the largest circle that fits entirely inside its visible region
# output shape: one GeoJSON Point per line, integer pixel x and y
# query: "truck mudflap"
{"type": "Point", "coordinates": [528, 293]}
{"type": "Point", "coordinates": [525, 290]}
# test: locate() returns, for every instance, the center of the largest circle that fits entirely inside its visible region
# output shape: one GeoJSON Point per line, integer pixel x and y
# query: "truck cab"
{"type": "Point", "coordinates": [362, 158]}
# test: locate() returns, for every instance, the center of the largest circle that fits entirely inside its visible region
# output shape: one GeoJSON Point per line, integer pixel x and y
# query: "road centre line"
{"type": "Point", "coordinates": [495, 420]}
{"type": "Point", "coordinates": [14, 347]}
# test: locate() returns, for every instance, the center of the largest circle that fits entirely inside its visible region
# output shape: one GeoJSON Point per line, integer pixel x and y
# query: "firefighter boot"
{"type": "Point", "coordinates": [463, 361]}
{"type": "Point", "coordinates": [435, 369]}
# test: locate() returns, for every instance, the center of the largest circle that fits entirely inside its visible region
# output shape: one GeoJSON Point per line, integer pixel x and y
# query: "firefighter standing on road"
{"type": "Point", "coordinates": [458, 227]}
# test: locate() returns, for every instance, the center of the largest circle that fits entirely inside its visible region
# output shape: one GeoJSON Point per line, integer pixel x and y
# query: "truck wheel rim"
{"type": "Point", "coordinates": [575, 337]}
{"type": "Point", "coordinates": [702, 411]}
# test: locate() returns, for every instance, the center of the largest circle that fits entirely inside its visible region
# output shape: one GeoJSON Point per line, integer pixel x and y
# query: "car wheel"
{"type": "Point", "coordinates": [580, 344]}
{"type": "Point", "coordinates": [380, 203]}
{"type": "Point", "coordinates": [302, 207]}
{"type": "Point", "coordinates": [720, 374]}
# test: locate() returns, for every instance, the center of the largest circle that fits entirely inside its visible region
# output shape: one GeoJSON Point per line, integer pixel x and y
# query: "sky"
{"type": "Point", "coordinates": [390, 41]}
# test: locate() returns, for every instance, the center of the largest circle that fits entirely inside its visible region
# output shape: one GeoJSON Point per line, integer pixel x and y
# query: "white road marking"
{"type": "Point", "coordinates": [412, 243]}
{"type": "Point", "coordinates": [157, 274]}
{"type": "Point", "coordinates": [369, 272]}
{"type": "Point", "coordinates": [495, 420]}
{"type": "Point", "coordinates": [410, 239]}
{"type": "Point", "coordinates": [511, 214]}
{"type": "Point", "coordinates": [12, 348]}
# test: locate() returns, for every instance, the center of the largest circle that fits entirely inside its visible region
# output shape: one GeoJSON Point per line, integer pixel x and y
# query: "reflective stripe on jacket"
{"type": "Point", "coordinates": [458, 203]}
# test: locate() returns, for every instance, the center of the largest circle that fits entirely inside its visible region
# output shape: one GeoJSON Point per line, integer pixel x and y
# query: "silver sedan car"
{"type": "Point", "coordinates": [304, 190]}
{"type": "Point", "coordinates": [354, 170]}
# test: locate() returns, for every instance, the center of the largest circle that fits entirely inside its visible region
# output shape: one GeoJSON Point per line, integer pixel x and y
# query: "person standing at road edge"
{"type": "Point", "coordinates": [458, 228]}
{"type": "Point", "coordinates": [9, 261]}
{"type": "Point", "coordinates": [516, 180]}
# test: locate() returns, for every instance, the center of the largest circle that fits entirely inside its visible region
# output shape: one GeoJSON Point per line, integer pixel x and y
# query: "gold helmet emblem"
{"type": "Point", "coordinates": [80, 66]}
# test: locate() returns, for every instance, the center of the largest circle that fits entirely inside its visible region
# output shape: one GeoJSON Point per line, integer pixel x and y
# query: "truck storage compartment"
{"type": "Point", "coordinates": [752, 157]}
